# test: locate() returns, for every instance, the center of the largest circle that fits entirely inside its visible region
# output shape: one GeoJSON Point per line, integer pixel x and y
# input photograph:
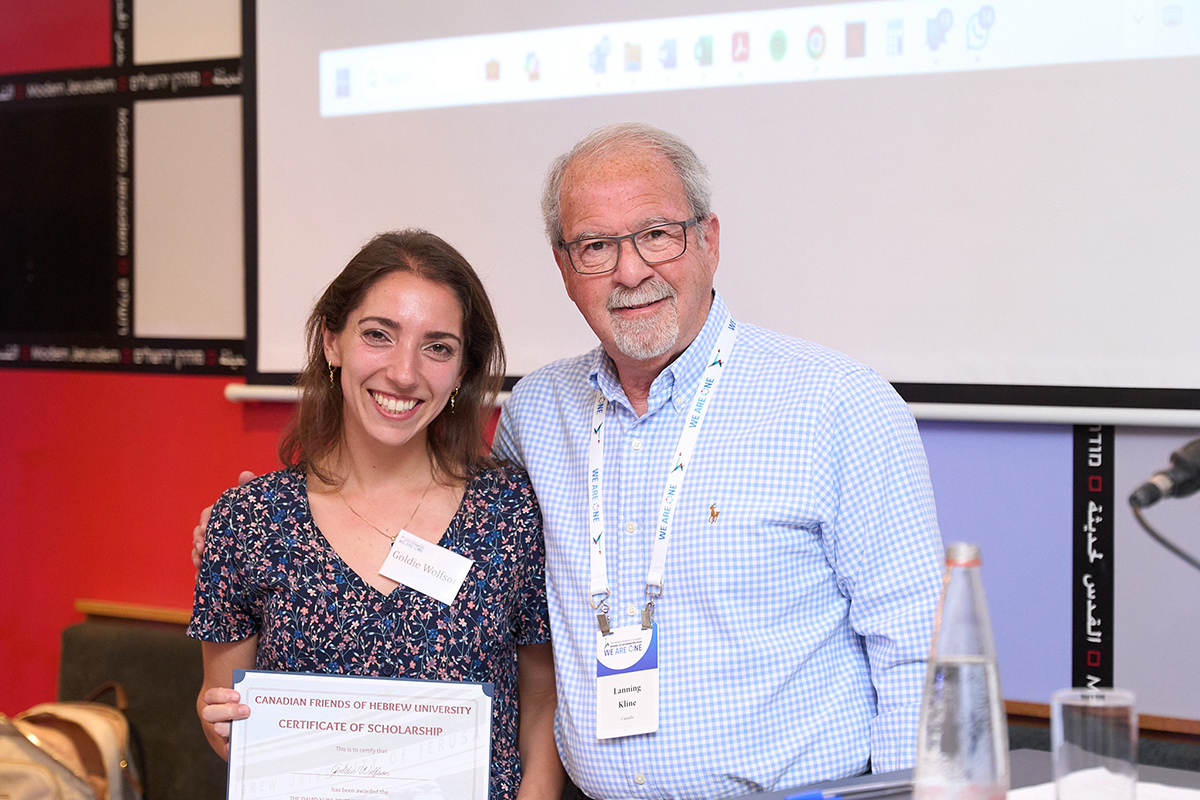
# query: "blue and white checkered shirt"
{"type": "Point", "coordinates": [802, 575]}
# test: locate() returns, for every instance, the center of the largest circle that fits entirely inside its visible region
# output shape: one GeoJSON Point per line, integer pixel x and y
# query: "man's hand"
{"type": "Point", "coordinates": [198, 531]}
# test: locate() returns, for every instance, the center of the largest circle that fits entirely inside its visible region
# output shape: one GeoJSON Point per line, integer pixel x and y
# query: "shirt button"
{"type": "Point", "coordinates": [631, 611]}
{"type": "Point", "coordinates": [636, 444]}
{"type": "Point", "coordinates": [630, 527]}
{"type": "Point", "coordinates": [639, 779]}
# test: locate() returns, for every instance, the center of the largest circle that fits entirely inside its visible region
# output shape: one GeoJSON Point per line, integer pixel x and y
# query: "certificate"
{"type": "Point", "coordinates": [338, 737]}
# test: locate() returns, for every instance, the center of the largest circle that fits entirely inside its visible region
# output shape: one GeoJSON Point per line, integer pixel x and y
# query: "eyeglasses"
{"type": "Point", "coordinates": [593, 255]}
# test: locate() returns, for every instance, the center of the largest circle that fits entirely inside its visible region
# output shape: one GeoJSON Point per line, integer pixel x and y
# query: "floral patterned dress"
{"type": "Point", "coordinates": [268, 570]}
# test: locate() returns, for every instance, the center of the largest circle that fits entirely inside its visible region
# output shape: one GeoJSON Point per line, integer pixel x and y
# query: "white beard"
{"type": "Point", "coordinates": [649, 338]}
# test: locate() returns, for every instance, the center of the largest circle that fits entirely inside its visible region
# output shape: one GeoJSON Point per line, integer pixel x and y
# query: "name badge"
{"type": "Point", "coordinates": [627, 682]}
{"type": "Point", "coordinates": [427, 567]}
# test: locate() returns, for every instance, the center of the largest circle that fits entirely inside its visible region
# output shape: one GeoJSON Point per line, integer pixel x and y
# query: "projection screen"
{"type": "Point", "coordinates": [987, 202]}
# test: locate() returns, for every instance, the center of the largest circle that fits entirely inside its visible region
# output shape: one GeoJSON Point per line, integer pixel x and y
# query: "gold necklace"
{"type": "Point", "coordinates": [389, 537]}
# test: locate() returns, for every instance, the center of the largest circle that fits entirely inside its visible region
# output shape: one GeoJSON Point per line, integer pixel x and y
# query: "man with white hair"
{"type": "Point", "coordinates": [743, 557]}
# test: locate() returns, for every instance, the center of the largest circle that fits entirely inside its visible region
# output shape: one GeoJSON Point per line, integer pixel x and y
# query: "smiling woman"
{"type": "Point", "coordinates": [455, 440]}
{"type": "Point", "coordinates": [400, 359]}
{"type": "Point", "coordinates": [299, 571]}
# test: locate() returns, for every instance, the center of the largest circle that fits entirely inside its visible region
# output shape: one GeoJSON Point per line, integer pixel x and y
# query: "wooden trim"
{"type": "Point", "coordinates": [1155, 727]}
{"type": "Point", "coordinates": [107, 609]}
{"type": "Point", "coordinates": [1173, 725]}
{"type": "Point", "coordinates": [1019, 708]}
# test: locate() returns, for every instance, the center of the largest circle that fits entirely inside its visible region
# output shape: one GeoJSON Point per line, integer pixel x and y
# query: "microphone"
{"type": "Point", "coordinates": [1180, 480]}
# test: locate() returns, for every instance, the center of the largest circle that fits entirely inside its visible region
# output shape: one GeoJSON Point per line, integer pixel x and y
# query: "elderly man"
{"type": "Point", "coordinates": [743, 557]}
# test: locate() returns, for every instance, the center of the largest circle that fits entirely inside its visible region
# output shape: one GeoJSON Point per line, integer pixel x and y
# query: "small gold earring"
{"type": "Point", "coordinates": [453, 395]}
{"type": "Point", "coordinates": [332, 385]}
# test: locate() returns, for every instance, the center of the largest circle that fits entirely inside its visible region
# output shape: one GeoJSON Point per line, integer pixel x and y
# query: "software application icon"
{"type": "Point", "coordinates": [856, 39]}
{"type": "Point", "coordinates": [666, 54]}
{"type": "Point", "coordinates": [816, 41]}
{"type": "Point", "coordinates": [778, 45]}
{"type": "Point", "coordinates": [741, 47]}
{"type": "Point", "coordinates": [342, 82]}
{"type": "Point", "coordinates": [895, 37]}
{"type": "Point", "coordinates": [979, 26]}
{"type": "Point", "coordinates": [531, 67]}
{"type": "Point", "coordinates": [633, 57]}
{"type": "Point", "coordinates": [937, 28]}
{"type": "Point", "coordinates": [598, 58]}
{"type": "Point", "coordinates": [492, 70]}
{"type": "Point", "coordinates": [704, 51]}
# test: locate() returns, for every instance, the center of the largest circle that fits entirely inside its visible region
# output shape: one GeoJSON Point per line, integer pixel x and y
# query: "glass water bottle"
{"type": "Point", "coordinates": [962, 742]}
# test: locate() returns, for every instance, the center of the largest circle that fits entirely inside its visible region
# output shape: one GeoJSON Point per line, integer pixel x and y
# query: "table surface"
{"type": "Point", "coordinates": [1026, 768]}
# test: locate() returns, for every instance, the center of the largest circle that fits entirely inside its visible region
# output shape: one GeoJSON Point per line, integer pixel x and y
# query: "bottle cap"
{"type": "Point", "coordinates": [963, 554]}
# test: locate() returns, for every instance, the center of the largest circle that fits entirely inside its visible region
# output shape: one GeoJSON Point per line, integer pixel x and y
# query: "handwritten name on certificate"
{"type": "Point", "coordinates": [336, 737]}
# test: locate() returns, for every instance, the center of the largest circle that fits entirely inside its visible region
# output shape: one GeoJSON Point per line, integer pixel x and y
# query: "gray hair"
{"type": "Point", "coordinates": [697, 186]}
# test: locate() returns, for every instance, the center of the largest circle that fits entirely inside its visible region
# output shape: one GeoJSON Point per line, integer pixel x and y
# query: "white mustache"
{"type": "Point", "coordinates": [648, 292]}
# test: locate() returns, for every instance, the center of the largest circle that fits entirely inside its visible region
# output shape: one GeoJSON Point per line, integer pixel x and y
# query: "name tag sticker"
{"type": "Point", "coordinates": [627, 682]}
{"type": "Point", "coordinates": [427, 567]}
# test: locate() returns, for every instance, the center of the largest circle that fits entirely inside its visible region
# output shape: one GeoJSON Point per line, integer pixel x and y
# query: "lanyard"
{"type": "Point", "coordinates": [687, 444]}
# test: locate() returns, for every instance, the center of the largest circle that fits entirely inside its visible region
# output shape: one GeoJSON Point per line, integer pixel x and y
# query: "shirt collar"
{"type": "Point", "coordinates": [677, 383]}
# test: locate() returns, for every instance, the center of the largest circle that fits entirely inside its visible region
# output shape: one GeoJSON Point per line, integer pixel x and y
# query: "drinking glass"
{"type": "Point", "coordinates": [1093, 737]}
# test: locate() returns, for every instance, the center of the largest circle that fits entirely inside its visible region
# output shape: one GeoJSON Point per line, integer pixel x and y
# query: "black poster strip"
{"type": "Point", "coordinates": [1092, 558]}
{"type": "Point", "coordinates": [122, 24]}
{"type": "Point", "coordinates": [168, 356]}
{"type": "Point", "coordinates": [124, 208]}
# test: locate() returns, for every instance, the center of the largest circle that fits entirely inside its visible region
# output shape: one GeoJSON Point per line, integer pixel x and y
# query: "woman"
{"type": "Point", "coordinates": [404, 356]}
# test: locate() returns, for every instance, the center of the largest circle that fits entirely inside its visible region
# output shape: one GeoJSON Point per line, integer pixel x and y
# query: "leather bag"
{"type": "Point", "coordinates": [77, 750]}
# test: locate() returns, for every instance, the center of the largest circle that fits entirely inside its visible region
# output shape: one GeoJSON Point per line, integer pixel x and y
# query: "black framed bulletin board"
{"type": "Point", "coordinates": [121, 240]}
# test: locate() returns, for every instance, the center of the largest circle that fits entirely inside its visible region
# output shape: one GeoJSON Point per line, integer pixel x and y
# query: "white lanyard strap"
{"type": "Point", "coordinates": [687, 444]}
{"type": "Point", "coordinates": [599, 580]}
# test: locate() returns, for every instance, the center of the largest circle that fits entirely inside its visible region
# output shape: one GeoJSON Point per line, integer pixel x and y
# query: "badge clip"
{"type": "Point", "coordinates": [598, 602]}
{"type": "Point", "coordinates": [653, 592]}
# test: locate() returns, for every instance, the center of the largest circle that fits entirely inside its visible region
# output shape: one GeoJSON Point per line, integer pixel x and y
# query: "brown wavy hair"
{"type": "Point", "coordinates": [455, 440]}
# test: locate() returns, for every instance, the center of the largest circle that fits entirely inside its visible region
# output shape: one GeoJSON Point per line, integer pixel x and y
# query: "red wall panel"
{"type": "Point", "coordinates": [48, 36]}
{"type": "Point", "coordinates": [102, 477]}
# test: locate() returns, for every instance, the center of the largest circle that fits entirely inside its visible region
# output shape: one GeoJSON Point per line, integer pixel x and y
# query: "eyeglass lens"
{"type": "Point", "coordinates": [654, 245]}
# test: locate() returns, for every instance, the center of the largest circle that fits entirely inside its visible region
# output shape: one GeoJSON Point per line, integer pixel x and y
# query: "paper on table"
{"type": "Point", "coordinates": [1145, 791]}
